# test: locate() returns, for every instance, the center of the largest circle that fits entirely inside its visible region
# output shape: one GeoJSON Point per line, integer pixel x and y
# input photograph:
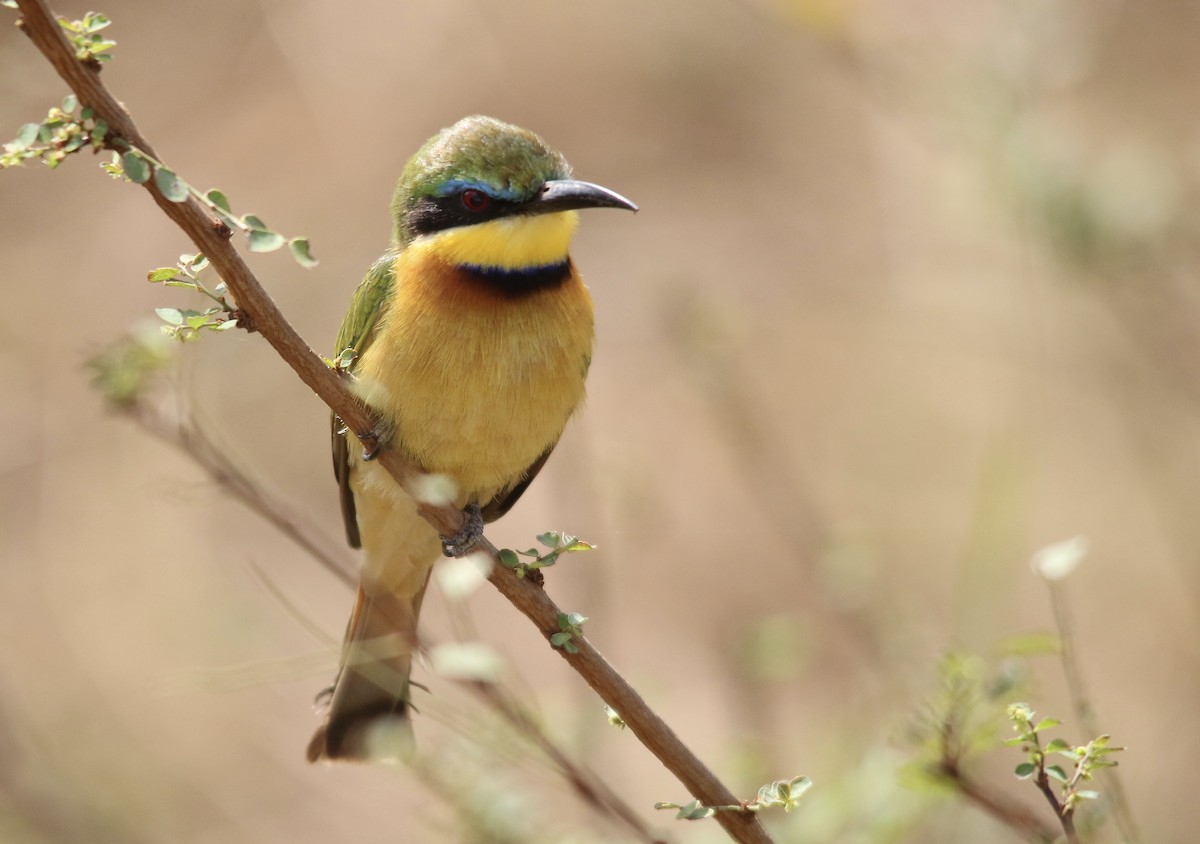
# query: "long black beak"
{"type": "Point", "coordinates": [571, 194]}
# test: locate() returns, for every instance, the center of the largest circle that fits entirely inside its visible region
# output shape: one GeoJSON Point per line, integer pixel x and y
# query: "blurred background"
{"type": "Point", "coordinates": [913, 293]}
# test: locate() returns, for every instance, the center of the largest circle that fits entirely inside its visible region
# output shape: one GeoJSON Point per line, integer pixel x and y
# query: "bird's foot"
{"type": "Point", "coordinates": [468, 536]}
{"type": "Point", "coordinates": [323, 697]}
{"type": "Point", "coordinates": [372, 443]}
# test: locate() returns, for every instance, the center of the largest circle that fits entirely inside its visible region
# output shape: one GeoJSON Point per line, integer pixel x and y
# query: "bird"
{"type": "Point", "coordinates": [470, 339]}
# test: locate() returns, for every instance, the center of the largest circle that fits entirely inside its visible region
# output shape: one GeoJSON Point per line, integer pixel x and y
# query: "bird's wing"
{"type": "Point", "coordinates": [356, 333]}
{"type": "Point", "coordinates": [504, 500]}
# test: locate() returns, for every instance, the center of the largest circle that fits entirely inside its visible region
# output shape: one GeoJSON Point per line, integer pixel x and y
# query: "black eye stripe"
{"type": "Point", "coordinates": [435, 213]}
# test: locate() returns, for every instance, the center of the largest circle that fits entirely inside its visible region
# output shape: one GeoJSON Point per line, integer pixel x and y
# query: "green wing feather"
{"type": "Point", "coordinates": [356, 333]}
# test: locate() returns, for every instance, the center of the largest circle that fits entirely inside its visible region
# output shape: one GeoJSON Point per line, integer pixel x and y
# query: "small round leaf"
{"type": "Point", "coordinates": [264, 240]}
{"type": "Point", "coordinates": [170, 185]}
{"type": "Point", "coordinates": [137, 169]}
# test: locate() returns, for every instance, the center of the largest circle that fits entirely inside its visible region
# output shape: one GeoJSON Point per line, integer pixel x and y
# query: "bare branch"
{"type": "Point", "coordinates": [1013, 815]}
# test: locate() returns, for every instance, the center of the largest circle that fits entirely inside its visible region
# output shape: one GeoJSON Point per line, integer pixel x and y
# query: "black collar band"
{"type": "Point", "coordinates": [515, 283]}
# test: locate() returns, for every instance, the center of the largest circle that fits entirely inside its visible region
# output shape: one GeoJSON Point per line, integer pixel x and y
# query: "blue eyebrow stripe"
{"type": "Point", "coordinates": [455, 185]}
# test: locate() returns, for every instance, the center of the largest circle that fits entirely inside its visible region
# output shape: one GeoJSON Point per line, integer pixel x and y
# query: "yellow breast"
{"type": "Point", "coordinates": [477, 385]}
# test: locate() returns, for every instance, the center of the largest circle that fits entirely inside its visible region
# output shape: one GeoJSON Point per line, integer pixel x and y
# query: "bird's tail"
{"type": "Point", "coordinates": [367, 717]}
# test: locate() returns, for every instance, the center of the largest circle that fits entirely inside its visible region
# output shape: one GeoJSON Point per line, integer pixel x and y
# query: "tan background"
{"type": "Point", "coordinates": [912, 294]}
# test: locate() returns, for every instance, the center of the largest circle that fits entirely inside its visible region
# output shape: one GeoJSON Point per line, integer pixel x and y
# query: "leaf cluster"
{"type": "Point", "coordinates": [90, 46]}
{"type": "Point", "coordinates": [570, 628]}
{"type": "Point", "coordinates": [56, 137]}
{"type": "Point", "coordinates": [183, 324]}
{"type": "Point", "coordinates": [1086, 759]}
{"type": "Point", "coordinates": [557, 543]}
{"type": "Point", "coordinates": [139, 167]}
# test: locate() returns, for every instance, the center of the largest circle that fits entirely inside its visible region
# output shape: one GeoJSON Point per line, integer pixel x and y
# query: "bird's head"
{"type": "Point", "coordinates": [487, 193]}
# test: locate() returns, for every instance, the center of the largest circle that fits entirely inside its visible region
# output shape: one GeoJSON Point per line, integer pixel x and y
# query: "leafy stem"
{"type": "Point", "coordinates": [557, 543]}
{"type": "Point", "coordinates": [782, 793]}
{"type": "Point", "coordinates": [1087, 760]}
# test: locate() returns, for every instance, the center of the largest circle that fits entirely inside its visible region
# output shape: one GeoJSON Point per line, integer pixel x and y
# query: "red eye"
{"type": "Point", "coordinates": [475, 200]}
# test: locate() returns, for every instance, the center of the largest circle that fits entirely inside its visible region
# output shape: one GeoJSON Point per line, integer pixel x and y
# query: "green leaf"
{"type": "Point", "coordinates": [508, 557]}
{"type": "Point", "coordinates": [1087, 795]}
{"type": "Point", "coordinates": [99, 131]}
{"type": "Point", "coordinates": [1046, 723]}
{"type": "Point", "coordinates": [1025, 770]}
{"type": "Point", "coordinates": [171, 315]}
{"type": "Point", "coordinates": [549, 539]}
{"type": "Point", "coordinates": [694, 811]}
{"type": "Point", "coordinates": [263, 240]}
{"type": "Point", "coordinates": [170, 185]}
{"type": "Point", "coordinates": [162, 274]}
{"type": "Point", "coordinates": [1055, 772]}
{"type": "Point", "coordinates": [560, 639]}
{"type": "Point", "coordinates": [1058, 745]}
{"type": "Point", "coordinates": [226, 325]}
{"type": "Point", "coordinates": [12, 4]}
{"type": "Point", "coordinates": [255, 222]}
{"type": "Point", "coordinates": [301, 253]}
{"type": "Point", "coordinates": [137, 169]}
{"type": "Point", "coordinates": [218, 198]}
{"type": "Point", "coordinates": [69, 103]}
{"type": "Point", "coordinates": [26, 135]}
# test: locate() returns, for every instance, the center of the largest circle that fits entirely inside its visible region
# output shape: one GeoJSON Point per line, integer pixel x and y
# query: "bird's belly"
{"type": "Point", "coordinates": [487, 431]}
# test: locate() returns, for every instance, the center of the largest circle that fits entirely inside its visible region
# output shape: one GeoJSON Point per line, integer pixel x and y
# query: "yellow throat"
{"type": "Point", "coordinates": [509, 243]}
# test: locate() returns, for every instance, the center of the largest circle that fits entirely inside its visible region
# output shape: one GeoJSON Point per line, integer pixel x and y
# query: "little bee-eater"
{"type": "Point", "coordinates": [470, 339]}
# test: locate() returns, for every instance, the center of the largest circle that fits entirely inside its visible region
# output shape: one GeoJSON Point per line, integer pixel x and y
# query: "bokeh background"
{"type": "Point", "coordinates": [913, 293]}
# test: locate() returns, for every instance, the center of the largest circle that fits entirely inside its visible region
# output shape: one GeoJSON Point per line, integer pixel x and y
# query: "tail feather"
{"type": "Point", "coordinates": [368, 710]}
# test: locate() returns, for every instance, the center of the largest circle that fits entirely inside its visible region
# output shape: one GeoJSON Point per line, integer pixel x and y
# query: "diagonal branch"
{"type": "Point", "coordinates": [211, 237]}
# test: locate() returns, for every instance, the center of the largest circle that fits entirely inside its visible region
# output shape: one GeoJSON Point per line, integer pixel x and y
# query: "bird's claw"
{"type": "Point", "coordinates": [468, 536]}
{"type": "Point", "coordinates": [372, 443]}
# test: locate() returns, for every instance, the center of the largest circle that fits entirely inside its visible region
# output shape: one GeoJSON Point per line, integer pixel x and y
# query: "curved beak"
{"type": "Point", "coordinates": [571, 194]}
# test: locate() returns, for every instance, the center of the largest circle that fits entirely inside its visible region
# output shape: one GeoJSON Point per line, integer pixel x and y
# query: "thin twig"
{"type": "Point", "coordinates": [1085, 713]}
{"type": "Point", "coordinates": [193, 441]}
{"type": "Point", "coordinates": [211, 238]}
{"type": "Point", "coordinates": [587, 785]}
{"type": "Point", "coordinates": [1011, 814]}
{"type": "Point", "coordinates": [1065, 816]}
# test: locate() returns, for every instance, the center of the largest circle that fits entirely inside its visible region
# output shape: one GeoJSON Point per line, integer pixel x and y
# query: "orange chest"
{"type": "Point", "coordinates": [476, 383]}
